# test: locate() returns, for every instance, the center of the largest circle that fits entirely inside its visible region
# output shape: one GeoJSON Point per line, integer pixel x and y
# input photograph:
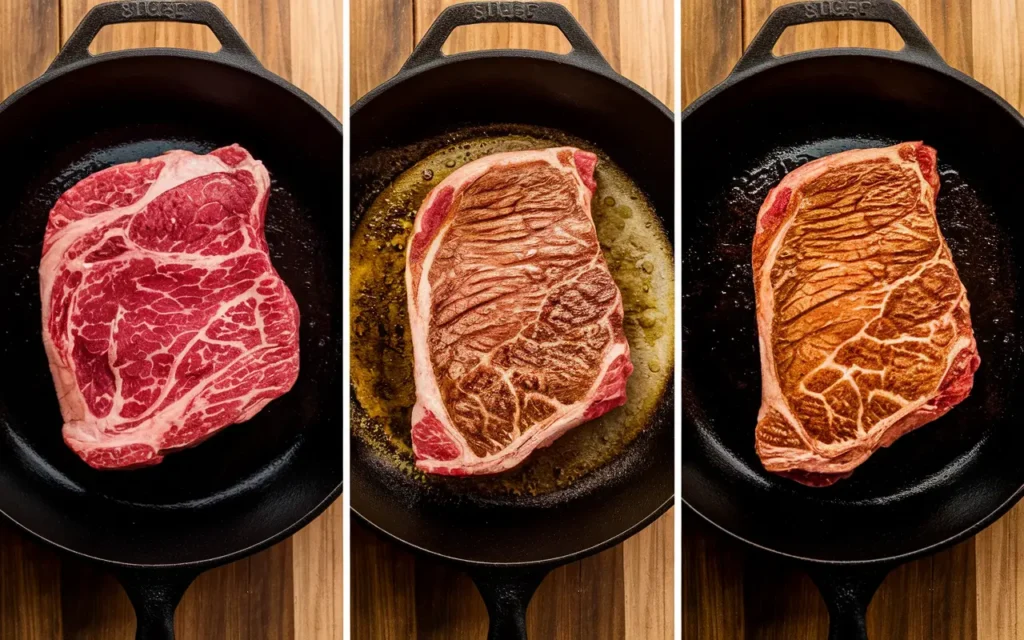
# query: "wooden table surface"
{"type": "Point", "coordinates": [974, 591]}
{"type": "Point", "coordinates": [292, 590]}
{"type": "Point", "coordinates": [625, 592]}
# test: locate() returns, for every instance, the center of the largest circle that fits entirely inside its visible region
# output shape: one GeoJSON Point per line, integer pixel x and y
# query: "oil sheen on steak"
{"type": "Point", "coordinates": [516, 321]}
{"type": "Point", "coordinates": [163, 319]}
{"type": "Point", "coordinates": [864, 325]}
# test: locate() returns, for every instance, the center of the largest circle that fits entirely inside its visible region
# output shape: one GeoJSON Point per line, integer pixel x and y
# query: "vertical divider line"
{"type": "Point", "coordinates": [677, 536]}
{"type": "Point", "coordinates": [346, 501]}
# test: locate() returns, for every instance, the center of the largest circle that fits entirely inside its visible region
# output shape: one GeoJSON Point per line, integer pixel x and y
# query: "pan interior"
{"type": "Point", "coordinates": [639, 257]}
{"type": "Point", "coordinates": [251, 481]}
{"type": "Point", "coordinates": [933, 483]}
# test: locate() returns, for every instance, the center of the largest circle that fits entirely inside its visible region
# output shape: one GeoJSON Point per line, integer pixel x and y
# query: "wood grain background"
{"type": "Point", "coordinates": [974, 591]}
{"type": "Point", "coordinates": [292, 590]}
{"type": "Point", "coordinates": [625, 592]}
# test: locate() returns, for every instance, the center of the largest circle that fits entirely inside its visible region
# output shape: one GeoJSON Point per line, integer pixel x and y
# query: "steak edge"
{"type": "Point", "coordinates": [864, 325]}
{"type": "Point", "coordinates": [516, 322]}
{"type": "Point", "coordinates": [164, 320]}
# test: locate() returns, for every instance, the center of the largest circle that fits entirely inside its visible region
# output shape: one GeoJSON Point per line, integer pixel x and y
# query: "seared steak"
{"type": "Point", "coordinates": [516, 321]}
{"type": "Point", "coordinates": [864, 325]}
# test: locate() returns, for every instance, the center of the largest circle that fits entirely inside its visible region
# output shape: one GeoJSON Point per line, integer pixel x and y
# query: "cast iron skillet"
{"type": "Point", "coordinates": [509, 545]}
{"type": "Point", "coordinates": [935, 486]}
{"type": "Point", "coordinates": [255, 483]}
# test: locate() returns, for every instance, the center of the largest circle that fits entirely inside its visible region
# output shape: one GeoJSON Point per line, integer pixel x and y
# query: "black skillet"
{"type": "Point", "coordinates": [508, 545]}
{"type": "Point", "coordinates": [255, 483]}
{"type": "Point", "coordinates": [940, 484]}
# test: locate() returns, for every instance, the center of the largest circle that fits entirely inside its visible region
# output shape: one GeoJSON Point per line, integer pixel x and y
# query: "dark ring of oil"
{"type": "Point", "coordinates": [639, 256]}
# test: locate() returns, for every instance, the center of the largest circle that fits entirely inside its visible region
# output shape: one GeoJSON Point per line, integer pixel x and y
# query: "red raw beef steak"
{"type": "Point", "coordinates": [163, 319]}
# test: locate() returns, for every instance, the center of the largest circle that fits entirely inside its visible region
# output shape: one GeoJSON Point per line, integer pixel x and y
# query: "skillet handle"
{"type": "Point", "coordinates": [207, 14]}
{"type": "Point", "coordinates": [584, 51]}
{"type": "Point", "coordinates": [155, 594]}
{"type": "Point", "coordinates": [847, 592]}
{"type": "Point", "coordinates": [917, 44]}
{"type": "Point", "coordinates": [507, 594]}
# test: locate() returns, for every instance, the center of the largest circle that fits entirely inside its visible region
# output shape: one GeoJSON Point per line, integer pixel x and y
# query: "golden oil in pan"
{"type": "Point", "coordinates": [640, 259]}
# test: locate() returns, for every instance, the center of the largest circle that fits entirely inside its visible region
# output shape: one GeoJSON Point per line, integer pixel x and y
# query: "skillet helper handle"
{"type": "Point", "coordinates": [917, 44]}
{"type": "Point", "coordinates": [507, 594]}
{"type": "Point", "coordinates": [204, 13]}
{"type": "Point", "coordinates": [847, 592]}
{"type": "Point", "coordinates": [155, 594]}
{"type": "Point", "coordinates": [584, 51]}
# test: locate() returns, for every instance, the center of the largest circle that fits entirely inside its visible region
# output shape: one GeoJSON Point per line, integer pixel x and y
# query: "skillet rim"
{"type": "Point", "coordinates": [255, 68]}
{"type": "Point", "coordinates": [935, 65]}
{"type": "Point", "coordinates": [606, 71]}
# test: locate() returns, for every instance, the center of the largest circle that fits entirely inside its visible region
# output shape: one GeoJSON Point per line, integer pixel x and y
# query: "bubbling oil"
{"type": "Point", "coordinates": [639, 257]}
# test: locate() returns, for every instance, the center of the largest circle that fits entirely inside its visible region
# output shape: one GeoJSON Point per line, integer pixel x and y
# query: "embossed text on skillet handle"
{"type": "Point", "coordinates": [512, 11]}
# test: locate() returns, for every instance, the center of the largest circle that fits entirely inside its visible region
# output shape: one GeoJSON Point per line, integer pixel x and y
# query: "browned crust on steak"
{"type": "Point", "coordinates": [863, 321]}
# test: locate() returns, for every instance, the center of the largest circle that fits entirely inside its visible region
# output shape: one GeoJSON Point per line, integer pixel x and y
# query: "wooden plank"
{"type": "Point", "coordinates": [447, 603]}
{"type": "Point", "coordinates": [998, 41]}
{"type": "Point", "coordinates": [218, 603]}
{"type": "Point", "coordinates": [383, 598]}
{"type": "Point", "coordinates": [270, 595]}
{"type": "Point", "coordinates": [948, 24]}
{"type": "Point", "coordinates": [646, 39]}
{"type": "Point", "coordinates": [30, 598]}
{"type": "Point", "coordinates": [954, 581]}
{"type": "Point", "coordinates": [781, 602]}
{"type": "Point", "coordinates": [318, 572]}
{"type": "Point", "coordinates": [711, 589]}
{"type": "Point", "coordinates": [711, 42]}
{"type": "Point", "coordinates": [29, 38]}
{"type": "Point", "coordinates": [584, 599]}
{"type": "Point", "coordinates": [603, 22]}
{"type": "Point", "coordinates": [999, 563]}
{"type": "Point", "coordinates": [943, 603]}
{"type": "Point", "coordinates": [317, 37]}
{"type": "Point", "coordinates": [648, 561]}
{"type": "Point", "coordinates": [94, 605]}
{"type": "Point", "coordinates": [382, 33]}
